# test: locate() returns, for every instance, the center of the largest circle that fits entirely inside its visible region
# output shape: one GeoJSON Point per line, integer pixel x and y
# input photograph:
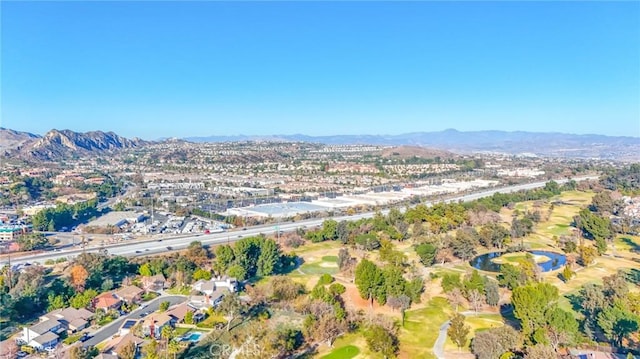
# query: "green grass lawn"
{"type": "Point", "coordinates": [181, 331]}
{"type": "Point", "coordinates": [346, 352]}
{"type": "Point", "coordinates": [421, 328]}
{"type": "Point", "coordinates": [333, 259]}
{"type": "Point", "coordinates": [150, 295]}
{"type": "Point", "coordinates": [211, 321]}
{"type": "Point", "coordinates": [185, 290]}
{"type": "Point", "coordinates": [627, 243]}
{"type": "Point", "coordinates": [72, 339]}
{"type": "Point", "coordinates": [319, 268]}
{"type": "Point", "coordinates": [320, 246]}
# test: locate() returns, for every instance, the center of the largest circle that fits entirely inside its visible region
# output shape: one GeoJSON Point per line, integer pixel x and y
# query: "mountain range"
{"type": "Point", "coordinates": [59, 144]}
{"type": "Point", "coordinates": [514, 143]}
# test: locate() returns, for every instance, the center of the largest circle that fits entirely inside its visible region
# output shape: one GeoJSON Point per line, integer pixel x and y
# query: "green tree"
{"type": "Point", "coordinates": [237, 271]}
{"type": "Point", "coordinates": [427, 253]}
{"type": "Point", "coordinates": [381, 340]}
{"type": "Point", "coordinates": [450, 281]}
{"type": "Point", "coordinates": [82, 300]}
{"type": "Point", "coordinates": [56, 302]}
{"type": "Point", "coordinates": [247, 252]}
{"type": "Point", "coordinates": [369, 280]}
{"type": "Point", "coordinates": [224, 258]}
{"type": "Point", "coordinates": [531, 305]}
{"type": "Point", "coordinates": [562, 328]}
{"type": "Point", "coordinates": [510, 276]}
{"type": "Point", "coordinates": [464, 244]}
{"type": "Point", "coordinates": [617, 323]}
{"type": "Point", "coordinates": [325, 279]}
{"type": "Point", "coordinates": [567, 273]}
{"type": "Point", "coordinates": [595, 227]}
{"type": "Point", "coordinates": [145, 270]}
{"type": "Point", "coordinates": [188, 317]}
{"type": "Point", "coordinates": [201, 274]}
{"type": "Point", "coordinates": [269, 258]}
{"type": "Point", "coordinates": [164, 306]}
{"type": "Point", "coordinates": [473, 281]}
{"type": "Point", "coordinates": [151, 350]}
{"type": "Point", "coordinates": [329, 230]}
{"type": "Point", "coordinates": [458, 331]}
{"type": "Point", "coordinates": [492, 292]}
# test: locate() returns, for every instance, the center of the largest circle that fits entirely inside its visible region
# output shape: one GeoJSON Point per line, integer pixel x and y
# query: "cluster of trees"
{"type": "Point", "coordinates": [475, 288]}
{"type": "Point", "coordinates": [64, 215]}
{"type": "Point", "coordinates": [35, 188]}
{"type": "Point", "coordinates": [610, 310]}
{"type": "Point", "coordinates": [476, 223]}
{"type": "Point", "coordinates": [626, 179]}
{"type": "Point", "coordinates": [440, 218]}
{"type": "Point", "coordinates": [464, 244]}
{"type": "Point", "coordinates": [524, 272]}
{"type": "Point", "coordinates": [387, 285]}
{"type": "Point", "coordinates": [252, 256]}
{"type": "Point", "coordinates": [542, 320]}
{"type": "Point", "coordinates": [32, 241]}
{"type": "Point", "coordinates": [29, 292]}
{"type": "Point", "coordinates": [500, 200]}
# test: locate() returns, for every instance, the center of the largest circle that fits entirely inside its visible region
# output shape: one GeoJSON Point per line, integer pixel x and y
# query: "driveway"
{"type": "Point", "coordinates": [112, 328]}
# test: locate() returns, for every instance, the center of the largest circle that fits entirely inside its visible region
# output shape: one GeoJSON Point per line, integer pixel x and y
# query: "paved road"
{"type": "Point", "coordinates": [438, 347]}
{"type": "Point", "coordinates": [155, 246]}
{"type": "Point", "coordinates": [112, 328]}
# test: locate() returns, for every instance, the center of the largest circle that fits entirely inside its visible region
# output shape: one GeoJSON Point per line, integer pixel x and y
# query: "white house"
{"type": "Point", "coordinates": [43, 334]}
{"type": "Point", "coordinates": [209, 286]}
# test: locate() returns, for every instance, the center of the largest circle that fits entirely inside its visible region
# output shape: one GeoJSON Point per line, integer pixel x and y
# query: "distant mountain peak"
{"type": "Point", "coordinates": [58, 144]}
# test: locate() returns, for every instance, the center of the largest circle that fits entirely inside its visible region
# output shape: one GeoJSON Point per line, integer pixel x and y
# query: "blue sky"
{"type": "Point", "coordinates": [183, 69]}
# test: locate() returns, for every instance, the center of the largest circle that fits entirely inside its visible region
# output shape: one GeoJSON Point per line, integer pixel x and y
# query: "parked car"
{"type": "Point", "coordinates": [85, 337]}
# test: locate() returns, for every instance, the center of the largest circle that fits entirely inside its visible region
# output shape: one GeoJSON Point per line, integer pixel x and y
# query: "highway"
{"type": "Point", "coordinates": [156, 246]}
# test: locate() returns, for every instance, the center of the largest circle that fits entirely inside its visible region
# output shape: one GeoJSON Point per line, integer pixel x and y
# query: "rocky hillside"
{"type": "Point", "coordinates": [10, 139]}
{"type": "Point", "coordinates": [56, 145]}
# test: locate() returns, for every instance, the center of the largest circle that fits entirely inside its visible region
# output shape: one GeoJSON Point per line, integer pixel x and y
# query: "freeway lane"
{"type": "Point", "coordinates": [156, 246]}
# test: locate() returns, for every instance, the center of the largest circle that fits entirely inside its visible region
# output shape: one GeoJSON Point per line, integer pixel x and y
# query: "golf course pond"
{"type": "Point", "coordinates": [491, 262]}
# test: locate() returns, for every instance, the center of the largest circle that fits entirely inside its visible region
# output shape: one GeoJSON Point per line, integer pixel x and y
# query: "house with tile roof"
{"type": "Point", "coordinates": [106, 301]}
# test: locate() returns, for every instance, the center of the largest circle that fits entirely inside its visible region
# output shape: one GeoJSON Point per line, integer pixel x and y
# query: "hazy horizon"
{"type": "Point", "coordinates": [188, 69]}
{"type": "Point", "coordinates": [233, 135]}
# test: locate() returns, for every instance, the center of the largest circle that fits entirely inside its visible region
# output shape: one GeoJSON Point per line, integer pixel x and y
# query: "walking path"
{"type": "Point", "coordinates": [438, 347]}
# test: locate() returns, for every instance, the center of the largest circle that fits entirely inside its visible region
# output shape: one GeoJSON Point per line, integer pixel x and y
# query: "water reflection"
{"type": "Point", "coordinates": [485, 261]}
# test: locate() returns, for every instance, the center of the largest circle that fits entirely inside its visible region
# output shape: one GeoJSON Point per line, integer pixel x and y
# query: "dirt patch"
{"type": "Point", "coordinates": [353, 300]}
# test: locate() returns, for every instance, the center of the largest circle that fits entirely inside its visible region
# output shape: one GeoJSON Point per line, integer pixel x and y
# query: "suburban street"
{"type": "Point", "coordinates": [155, 246]}
{"type": "Point", "coordinates": [112, 328]}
